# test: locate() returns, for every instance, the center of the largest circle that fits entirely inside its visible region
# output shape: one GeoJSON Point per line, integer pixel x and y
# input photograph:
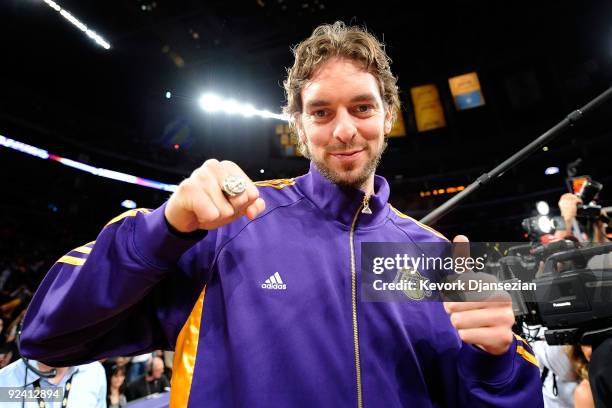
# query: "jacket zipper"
{"type": "Point", "coordinates": [366, 205]}
{"type": "Point", "coordinates": [364, 208]}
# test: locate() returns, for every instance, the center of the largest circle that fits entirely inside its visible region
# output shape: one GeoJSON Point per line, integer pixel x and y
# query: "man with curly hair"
{"type": "Point", "coordinates": [255, 285]}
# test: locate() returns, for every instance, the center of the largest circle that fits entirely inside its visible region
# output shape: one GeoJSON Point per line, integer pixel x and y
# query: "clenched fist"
{"type": "Point", "coordinates": [200, 203]}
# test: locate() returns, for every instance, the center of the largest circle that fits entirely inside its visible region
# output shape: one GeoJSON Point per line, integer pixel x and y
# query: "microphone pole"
{"type": "Point", "coordinates": [516, 158]}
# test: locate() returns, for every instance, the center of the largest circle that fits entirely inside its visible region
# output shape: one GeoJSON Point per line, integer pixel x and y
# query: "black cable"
{"type": "Point", "coordinates": [25, 380]}
{"type": "Point", "coordinates": [46, 374]}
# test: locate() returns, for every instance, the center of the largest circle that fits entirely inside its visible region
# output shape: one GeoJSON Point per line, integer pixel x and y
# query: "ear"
{"type": "Point", "coordinates": [388, 119]}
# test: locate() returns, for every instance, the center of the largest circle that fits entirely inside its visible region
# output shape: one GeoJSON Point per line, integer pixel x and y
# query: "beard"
{"type": "Point", "coordinates": [355, 178]}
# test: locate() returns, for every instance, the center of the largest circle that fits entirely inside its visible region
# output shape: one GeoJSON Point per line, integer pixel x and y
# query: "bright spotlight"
{"type": "Point", "coordinates": [262, 171]}
{"type": "Point", "coordinates": [128, 204]}
{"type": "Point", "coordinates": [248, 110]}
{"type": "Point", "coordinates": [542, 207]}
{"type": "Point", "coordinates": [268, 115]}
{"type": "Point", "coordinates": [168, 95]}
{"type": "Point", "coordinates": [213, 103]}
{"type": "Point", "coordinates": [78, 24]}
{"type": "Point", "coordinates": [551, 170]}
{"type": "Point", "coordinates": [231, 106]}
{"type": "Point", "coordinates": [210, 102]}
{"type": "Point", "coordinates": [53, 5]}
{"type": "Point", "coordinates": [545, 224]}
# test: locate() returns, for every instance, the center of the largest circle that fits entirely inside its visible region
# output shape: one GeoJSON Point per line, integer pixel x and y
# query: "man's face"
{"type": "Point", "coordinates": [158, 368]}
{"type": "Point", "coordinates": [343, 122]}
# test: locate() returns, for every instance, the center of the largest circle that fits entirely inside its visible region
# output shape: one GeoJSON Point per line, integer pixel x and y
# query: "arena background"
{"type": "Point", "coordinates": [536, 62]}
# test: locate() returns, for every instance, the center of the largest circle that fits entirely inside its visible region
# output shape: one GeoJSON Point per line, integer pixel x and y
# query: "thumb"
{"type": "Point", "coordinates": [461, 247]}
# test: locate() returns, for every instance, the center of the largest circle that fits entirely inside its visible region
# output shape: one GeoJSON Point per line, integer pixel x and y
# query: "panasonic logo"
{"type": "Point", "coordinates": [562, 304]}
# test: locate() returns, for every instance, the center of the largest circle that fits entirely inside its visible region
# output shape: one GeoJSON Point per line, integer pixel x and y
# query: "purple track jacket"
{"type": "Point", "coordinates": [268, 313]}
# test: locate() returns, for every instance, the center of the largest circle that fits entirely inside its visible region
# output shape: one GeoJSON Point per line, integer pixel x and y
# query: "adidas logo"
{"type": "Point", "coordinates": [274, 282]}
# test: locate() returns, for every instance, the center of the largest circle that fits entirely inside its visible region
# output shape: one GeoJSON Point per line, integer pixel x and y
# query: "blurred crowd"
{"type": "Point", "coordinates": [26, 253]}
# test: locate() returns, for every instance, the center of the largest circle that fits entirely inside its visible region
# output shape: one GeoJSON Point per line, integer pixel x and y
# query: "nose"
{"type": "Point", "coordinates": [344, 129]}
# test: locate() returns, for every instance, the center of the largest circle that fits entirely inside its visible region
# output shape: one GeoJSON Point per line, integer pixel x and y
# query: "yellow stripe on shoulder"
{"type": "Point", "coordinates": [527, 355]}
{"type": "Point", "coordinates": [419, 224]}
{"type": "Point", "coordinates": [83, 250]}
{"type": "Point", "coordinates": [519, 338]}
{"type": "Point", "coordinates": [276, 181]}
{"type": "Point", "coordinates": [277, 184]}
{"type": "Point", "coordinates": [129, 213]}
{"type": "Point", "coordinates": [72, 260]}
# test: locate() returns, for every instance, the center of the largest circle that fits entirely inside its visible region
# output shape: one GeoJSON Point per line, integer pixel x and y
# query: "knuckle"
{"type": "Point", "coordinates": [208, 211]}
{"type": "Point", "coordinates": [216, 212]}
{"type": "Point", "coordinates": [211, 183]}
{"type": "Point", "coordinates": [227, 163]}
{"type": "Point", "coordinates": [201, 173]}
{"type": "Point", "coordinates": [186, 186]}
{"type": "Point", "coordinates": [509, 316]}
{"type": "Point", "coordinates": [253, 191]}
{"type": "Point", "coordinates": [462, 334]}
{"type": "Point", "coordinates": [503, 336]}
{"type": "Point", "coordinates": [226, 212]}
{"type": "Point", "coordinates": [210, 163]}
{"type": "Point", "coordinates": [239, 201]}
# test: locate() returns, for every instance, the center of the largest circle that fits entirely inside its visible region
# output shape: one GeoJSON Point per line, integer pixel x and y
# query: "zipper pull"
{"type": "Point", "coordinates": [366, 205]}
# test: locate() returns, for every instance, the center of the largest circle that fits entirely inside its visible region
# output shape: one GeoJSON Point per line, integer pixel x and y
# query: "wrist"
{"type": "Point", "coordinates": [157, 244]}
{"type": "Point", "coordinates": [192, 234]}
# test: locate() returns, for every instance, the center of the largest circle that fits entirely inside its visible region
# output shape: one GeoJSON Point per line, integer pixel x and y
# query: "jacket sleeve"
{"type": "Point", "coordinates": [128, 292]}
{"type": "Point", "coordinates": [509, 380]}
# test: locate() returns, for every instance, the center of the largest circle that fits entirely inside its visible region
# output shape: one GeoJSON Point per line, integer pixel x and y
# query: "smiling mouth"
{"type": "Point", "coordinates": [347, 154]}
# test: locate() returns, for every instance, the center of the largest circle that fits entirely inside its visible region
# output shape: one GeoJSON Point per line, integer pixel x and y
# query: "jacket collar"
{"type": "Point", "coordinates": [341, 203]}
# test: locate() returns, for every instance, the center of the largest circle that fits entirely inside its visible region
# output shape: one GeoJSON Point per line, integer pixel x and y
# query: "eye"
{"type": "Point", "coordinates": [364, 108]}
{"type": "Point", "coordinates": [319, 113]}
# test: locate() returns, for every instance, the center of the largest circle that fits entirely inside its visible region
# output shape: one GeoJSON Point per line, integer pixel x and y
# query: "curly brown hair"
{"type": "Point", "coordinates": [338, 40]}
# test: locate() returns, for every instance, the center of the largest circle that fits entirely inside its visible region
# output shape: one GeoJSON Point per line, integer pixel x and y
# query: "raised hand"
{"type": "Point", "coordinates": [486, 324]}
{"type": "Point", "coordinates": [201, 203]}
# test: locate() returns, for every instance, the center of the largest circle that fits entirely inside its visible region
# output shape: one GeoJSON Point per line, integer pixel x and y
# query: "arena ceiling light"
{"type": "Point", "coordinates": [212, 103]}
{"type": "Point", "coordinates": [551, 170]}
{"type": "Point", "coordinates": [96, 171]}
{"type": "Point", "coordinates": [130, 204]}
{"type": "Point", "coordinates": [78, 24]}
